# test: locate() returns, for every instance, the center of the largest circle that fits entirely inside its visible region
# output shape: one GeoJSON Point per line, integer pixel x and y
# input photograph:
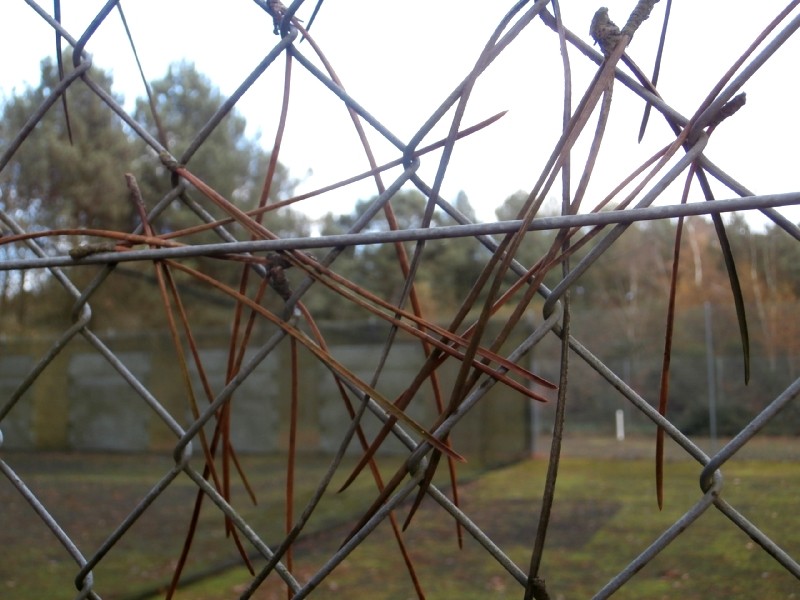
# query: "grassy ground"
{"type": "Point", "coordinates": [604, 515]}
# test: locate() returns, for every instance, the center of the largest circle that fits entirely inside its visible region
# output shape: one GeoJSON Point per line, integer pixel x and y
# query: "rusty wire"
{"type": "Point", "coordinates": [424, 445]}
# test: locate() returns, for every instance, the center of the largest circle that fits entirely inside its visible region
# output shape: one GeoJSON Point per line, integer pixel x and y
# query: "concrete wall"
{"type": "Point", "coordinates": [80, 401]}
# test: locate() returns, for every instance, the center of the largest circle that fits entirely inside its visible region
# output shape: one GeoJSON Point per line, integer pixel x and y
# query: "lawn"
{"type": "Point", "coordinates": [604, 514]}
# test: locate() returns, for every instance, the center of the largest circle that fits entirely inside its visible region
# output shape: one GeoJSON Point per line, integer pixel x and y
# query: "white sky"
{"type": "Point", "coordinates": [401, 59]}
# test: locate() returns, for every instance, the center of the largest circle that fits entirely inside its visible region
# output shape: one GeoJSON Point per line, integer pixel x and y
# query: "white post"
{"type": "Point", "coordinates": [620, 425]}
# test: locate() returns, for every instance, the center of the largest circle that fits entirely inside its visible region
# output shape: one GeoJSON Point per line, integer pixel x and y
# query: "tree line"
{"type": "Point", "coordinates": [69, 173]}
{"type": "Point", "coordinates": [61, 178]}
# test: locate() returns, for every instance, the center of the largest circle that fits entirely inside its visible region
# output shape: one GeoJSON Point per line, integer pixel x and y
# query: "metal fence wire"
{"type": "Point", "coordinates": [480, 361]}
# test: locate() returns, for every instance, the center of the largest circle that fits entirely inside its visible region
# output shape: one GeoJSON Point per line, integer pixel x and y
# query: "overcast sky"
{"type": "Point", "coordinates": [401, 59]}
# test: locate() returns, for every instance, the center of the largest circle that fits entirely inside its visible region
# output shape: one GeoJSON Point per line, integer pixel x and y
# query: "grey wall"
{"type": "Point", "coordinates": [81, 402]}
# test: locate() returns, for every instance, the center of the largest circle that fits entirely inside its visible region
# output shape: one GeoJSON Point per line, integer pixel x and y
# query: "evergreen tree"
{"type": "Point", "coordinates": [228, 160]}
{"type": "Point", "coordinates": [52, 183]}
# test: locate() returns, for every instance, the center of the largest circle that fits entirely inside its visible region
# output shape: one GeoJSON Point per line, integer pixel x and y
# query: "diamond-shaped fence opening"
{"type": "Point", "coordinates": [269, 404]}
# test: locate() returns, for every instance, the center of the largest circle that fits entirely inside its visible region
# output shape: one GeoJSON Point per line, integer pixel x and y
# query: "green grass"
{"type": "Point", "coordinates": [604, 515]}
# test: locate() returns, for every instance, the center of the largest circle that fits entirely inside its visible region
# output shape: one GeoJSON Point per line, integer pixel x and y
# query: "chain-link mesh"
{"type": "Point", "coordinates": [479, 363]}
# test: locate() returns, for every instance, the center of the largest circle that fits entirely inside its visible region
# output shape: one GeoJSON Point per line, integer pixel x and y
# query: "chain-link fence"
{"type": "Point", "coordinates": [460, 363]}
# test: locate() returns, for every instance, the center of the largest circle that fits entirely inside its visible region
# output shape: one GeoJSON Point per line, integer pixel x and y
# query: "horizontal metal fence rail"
{"type": "Point", "coordinates": [523, 16]}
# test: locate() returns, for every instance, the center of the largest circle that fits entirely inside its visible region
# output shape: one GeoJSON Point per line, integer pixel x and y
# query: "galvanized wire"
{"type": "Point", "coordinates": [367, 238]}
{"type": "Point", "coordinates": [188, 438]}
